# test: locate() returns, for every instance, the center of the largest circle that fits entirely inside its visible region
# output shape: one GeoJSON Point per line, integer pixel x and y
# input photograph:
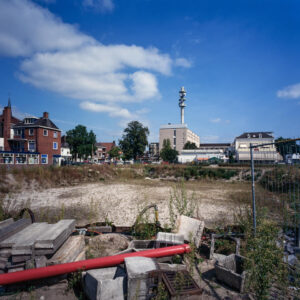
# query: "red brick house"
{"type": "Point", "coordinates": [102, 151]}
{"type": "Point", "coordinates": [31, 141]}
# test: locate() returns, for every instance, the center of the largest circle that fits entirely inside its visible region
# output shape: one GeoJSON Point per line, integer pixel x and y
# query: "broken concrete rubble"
{"type": "Point", "coordinates": [190, 228]}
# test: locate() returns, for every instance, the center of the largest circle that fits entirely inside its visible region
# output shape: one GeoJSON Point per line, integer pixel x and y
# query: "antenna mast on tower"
{"type": "Point", "coordinates": [182, 105]}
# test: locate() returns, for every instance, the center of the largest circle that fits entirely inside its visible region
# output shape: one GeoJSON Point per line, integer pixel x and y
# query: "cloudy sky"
{"type": "Point", "coordinates": [103, 63]}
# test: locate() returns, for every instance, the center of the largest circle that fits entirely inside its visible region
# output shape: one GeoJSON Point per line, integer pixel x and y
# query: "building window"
{"type": "Point", "coordinates": [55, 145]}
{"type": "Point", "coordinates": [175, 132]}
{"type": "Point", "coordinates": [55, 134]}
{"type": "Point", "coordinates": [31, 131]}
{"type": "Point", "coordinates": [33, 159]}
{"type": "Point", "coordinates": [44, 158]}
{"type": "Point", "coordinates": [6, 158]}
{"type": "Point", "coordinates": [45, 132]}
{"type": "Point", "coordinates": [21, 159]}
{"type": "Point", "coordinates": [174, 143]}
{"type": "Point", "coordinates": [18, 131]}
{"type": "Point", "coordinates": [31, 146]}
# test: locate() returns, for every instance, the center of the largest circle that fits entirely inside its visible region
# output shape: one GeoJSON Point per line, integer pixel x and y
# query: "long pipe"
{"type": "Point", "coordinates": [95, 263]}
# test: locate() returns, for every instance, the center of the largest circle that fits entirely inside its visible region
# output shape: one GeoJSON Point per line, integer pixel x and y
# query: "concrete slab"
{"type": "Point", "coordinates": [164, 239]}
{"type": "Point", "coordinates": [6, 222]}
{"type": "Point", "coordinates": [56, 234]}
{"type": "Point", "coordinates": [138, 282]}
{"type": "Point", "coordinates": [25, 237]}
{"type": "Point", "coordinates": [105, 284]}
{"type": "Point", "coordinates": [13, 228]}
{"type": "Point", "coordinates": [190, 228]}
{"type": "Point", "coordinates": [69, 251]}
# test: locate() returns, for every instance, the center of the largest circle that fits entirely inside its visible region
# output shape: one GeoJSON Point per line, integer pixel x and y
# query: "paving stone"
{"type": "Point", "coordinates": [105, 284]}
{"type": "Point", "coordinates": [69, 251]}
{"type": "Point", "coordinates": [138, 281]}
{"type": "Point", "coordinates": [190, 228]}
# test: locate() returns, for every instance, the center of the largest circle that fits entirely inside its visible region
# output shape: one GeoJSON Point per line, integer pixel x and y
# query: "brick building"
{"type": "Point", "coordinates": [30, 141]}
{"type": "Point", "coordinates": [101, 152]}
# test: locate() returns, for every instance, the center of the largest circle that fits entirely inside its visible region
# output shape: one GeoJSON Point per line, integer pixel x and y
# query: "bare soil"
{"type": "Point", "coordinates": [119, 202]}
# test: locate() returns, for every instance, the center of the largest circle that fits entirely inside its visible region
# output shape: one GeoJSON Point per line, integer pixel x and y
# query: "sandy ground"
{"type": "Point", "coordinates": [120, 202]}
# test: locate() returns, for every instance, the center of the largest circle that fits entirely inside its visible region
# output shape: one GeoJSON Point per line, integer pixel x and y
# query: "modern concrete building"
{"type": "Point", "coordinates": [178, 134]}
{"type": "Point", "coordinates": [260, 153]}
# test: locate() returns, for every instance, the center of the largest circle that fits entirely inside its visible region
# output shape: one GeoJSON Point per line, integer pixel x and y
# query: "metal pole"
{"type": "Point", "coordinates": [253, 190]}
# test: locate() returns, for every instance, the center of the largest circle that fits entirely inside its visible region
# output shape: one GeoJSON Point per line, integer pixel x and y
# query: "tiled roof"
{"type": "Point", "coordinates": [108, 146]}
{"type": "Point", "coordinates": [246, 135]}
{"type": "Point", "coordinates": [41, 122]}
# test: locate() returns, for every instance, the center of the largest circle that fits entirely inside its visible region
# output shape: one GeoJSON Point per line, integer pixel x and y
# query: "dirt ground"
{"type": "Point", "coordinates": [119, 202]}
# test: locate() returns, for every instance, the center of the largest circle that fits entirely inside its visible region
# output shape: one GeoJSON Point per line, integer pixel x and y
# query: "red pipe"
{"type": "Point", "coordinates": [95, 263]}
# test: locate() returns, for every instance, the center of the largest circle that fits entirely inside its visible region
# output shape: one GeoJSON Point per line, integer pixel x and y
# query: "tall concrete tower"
{"type": "Point", "coordinates": [182, 105]}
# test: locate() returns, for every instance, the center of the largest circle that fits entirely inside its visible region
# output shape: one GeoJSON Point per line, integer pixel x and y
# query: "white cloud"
{"type": "Point", "coordinates": [102, 6]}
{"type": "Point", "coordinates": [58, 57]}
{"type": "Point", "coordinates": [113, 111]}
{"type": "Point", "coordinates": [26, 28]}
{"type": "Point", "coordinates": [216, 120]}
{"type": "Point", "coordinates": [291, 91]}
{"type": "Point", "coordinates": [183, 62]}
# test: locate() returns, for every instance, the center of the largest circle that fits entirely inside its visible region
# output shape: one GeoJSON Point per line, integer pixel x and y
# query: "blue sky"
{"type": "Point", "coordinates": [103, 63]}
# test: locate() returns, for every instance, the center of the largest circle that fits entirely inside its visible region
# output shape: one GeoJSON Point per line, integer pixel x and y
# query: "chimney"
{"type": "Point", "coordinates": [7, 125]}
{"type": "Point", "coordinates": [45, 115]}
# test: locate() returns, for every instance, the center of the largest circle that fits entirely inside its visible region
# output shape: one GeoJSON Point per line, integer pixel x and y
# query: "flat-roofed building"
{"type": "Point", "coordinates": [178, 134]}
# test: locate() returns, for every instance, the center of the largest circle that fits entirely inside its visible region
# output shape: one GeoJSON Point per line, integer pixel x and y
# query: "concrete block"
{"type": "Point", "coordinates": [105, 284]}
{"type": "Point", "coordinates": [230, 271]}
{"type": "Point", "coordinates": [164, 239]}
{"type": "Point", "coordinates": [138, 280]}
{"type": "Point", "coordinates": [69, 251]}
{"type": "Point", "coordinates": [40, 261]}
{"type": "Point", "coordinates": [190, 228]}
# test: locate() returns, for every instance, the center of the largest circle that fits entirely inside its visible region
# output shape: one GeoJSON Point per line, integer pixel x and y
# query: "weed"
{"type": "Point", "coordinates": [180, 204]}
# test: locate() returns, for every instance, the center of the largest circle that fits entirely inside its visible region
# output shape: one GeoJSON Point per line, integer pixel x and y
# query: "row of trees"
{"type": "Point", "coordinates": [132, 144]}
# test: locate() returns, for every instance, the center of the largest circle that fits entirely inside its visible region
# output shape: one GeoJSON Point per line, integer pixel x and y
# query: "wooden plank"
{"type": "Point", "coordinates": [69, 251]}
{"type": "Point", "coordinates": [13, 228]}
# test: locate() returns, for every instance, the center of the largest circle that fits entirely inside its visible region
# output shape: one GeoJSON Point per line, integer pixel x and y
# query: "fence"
{"type": "Point", "coordinates": [275, 174]}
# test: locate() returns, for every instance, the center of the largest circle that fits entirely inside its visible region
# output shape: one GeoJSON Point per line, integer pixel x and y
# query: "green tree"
{"type": "Point", "coordinates": [286, 146]}
{"type": "Point", "coordinates": [82, 143]}
{"type": "Point", "coordinates": [167, 153]}
{"type": "Point", "coordinates": [188, 145]}
{"type": "Point", "coordinates": [134, 140]}
{"type": "Point", "coordinates": [115, 152]}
